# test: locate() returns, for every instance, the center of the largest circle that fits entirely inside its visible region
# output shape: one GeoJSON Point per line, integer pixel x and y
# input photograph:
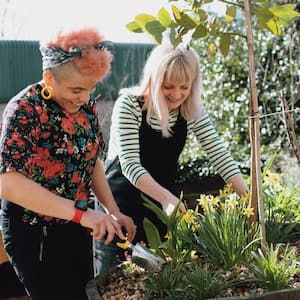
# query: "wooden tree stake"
{"type": "Point", "coordinates": [254, 132]}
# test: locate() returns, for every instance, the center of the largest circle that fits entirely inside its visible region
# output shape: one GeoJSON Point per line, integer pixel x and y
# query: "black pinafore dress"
{"type": "Point", "coordinates": [159, 156]}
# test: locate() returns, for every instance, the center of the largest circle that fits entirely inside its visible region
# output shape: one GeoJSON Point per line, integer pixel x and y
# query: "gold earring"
{"type": "Point", "coordinates": [47, 92]}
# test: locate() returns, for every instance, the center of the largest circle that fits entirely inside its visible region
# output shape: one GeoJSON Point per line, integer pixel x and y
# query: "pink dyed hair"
{"type": "Point", "coordinates": [92, 62]}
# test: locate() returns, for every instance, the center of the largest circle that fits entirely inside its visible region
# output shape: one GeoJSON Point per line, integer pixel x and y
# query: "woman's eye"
{"type": "Point", "coordinates": [76, 91]}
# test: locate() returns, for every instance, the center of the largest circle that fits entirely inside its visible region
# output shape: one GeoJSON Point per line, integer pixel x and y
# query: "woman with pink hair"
{"type": "Point", "coordinates": [50, 159]}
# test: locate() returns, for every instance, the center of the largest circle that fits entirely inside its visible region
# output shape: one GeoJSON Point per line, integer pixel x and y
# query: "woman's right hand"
{"type": "Point", "coordinates": [169, 205]}
{"type": "Point", "coordinates": [102, 225]}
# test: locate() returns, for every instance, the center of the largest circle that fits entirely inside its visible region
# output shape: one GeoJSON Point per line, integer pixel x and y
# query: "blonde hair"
{"type": "Point", "coordinates": [176, 65]}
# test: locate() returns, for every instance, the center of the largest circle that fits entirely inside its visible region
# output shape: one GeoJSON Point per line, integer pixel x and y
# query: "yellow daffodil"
{"type": "Point", "coordinates": [245, 198]}
{"type": "Point", "coordinates": [169, 235]}
{"type": "Point", "coordinates": [231, 203]}
{"type": "Point", "coordinates": [189, 217]}
{"type": "Point", "coordinates": [249, 211]}
{"type": "Point", "coordinates": [228, 189]}
{"type": "Point", "coordinates": [203, 201]}
{"type": "Point", "coordinates": [273, 179]}
{"type": "Point", "coordinates": [214, 201]}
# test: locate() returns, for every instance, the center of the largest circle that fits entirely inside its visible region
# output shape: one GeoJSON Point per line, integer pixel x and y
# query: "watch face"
{"type": "Point", "coordinates": [82, 205]}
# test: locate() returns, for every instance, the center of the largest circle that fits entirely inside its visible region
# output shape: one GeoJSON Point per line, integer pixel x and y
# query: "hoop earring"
{"type": "Point", "coordinates": [47, 92]}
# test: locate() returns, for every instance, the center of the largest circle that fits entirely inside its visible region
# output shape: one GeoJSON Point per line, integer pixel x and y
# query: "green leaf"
{"type": "Point", "coordinates": [157, 210]}
{"type": "Point", "coordinates": [183, 19]}
{"type": "Point", "coordinates": [152, 234]}
{"type": "Point", "coordinates": [134, 27]}
{"type": "Point", "coordinates": [285, 13]}
{"type": "Point", "coordinates": [164, 17]}
{"type": "Point", "coordinates": [199, 32]}
{"type": "Point", "coordinates": [151, 25]}
{"type": "Point", "coordinates": [224, 43]}
{"type": "Point", "coordinates": [267, 20]}
{"type": "Point", "coordinates": [202, 15]}
{"type": "Point", "coordinates": [172, 36]}
{"type": "Point", "coordinates": [230, 13]}
{"type": "Point", "coordinates": [142, 19]}
{"type": "Point", "coordinates": [155, 28]}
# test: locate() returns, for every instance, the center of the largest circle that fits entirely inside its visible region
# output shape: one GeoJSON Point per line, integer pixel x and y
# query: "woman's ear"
{"type": "Point", "coordinates": [48, 77]}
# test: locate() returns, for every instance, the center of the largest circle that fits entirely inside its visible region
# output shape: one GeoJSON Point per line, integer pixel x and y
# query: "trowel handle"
{"type": "Point", "coordinates": [124, 244]}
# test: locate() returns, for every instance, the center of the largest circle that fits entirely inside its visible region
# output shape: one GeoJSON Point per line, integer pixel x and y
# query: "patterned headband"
{"type": "Point", "coordinates": [53, 56]}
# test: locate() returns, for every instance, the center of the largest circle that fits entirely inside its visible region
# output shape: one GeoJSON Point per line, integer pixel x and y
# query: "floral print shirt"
{"type": "Point", "coordinates": [52, 147]}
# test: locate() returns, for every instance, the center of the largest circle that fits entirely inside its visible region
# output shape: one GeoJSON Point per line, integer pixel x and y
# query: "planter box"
{"type": "Point", "coordinates": [287, 294]}
{"type": "Point", "coordinates": [92, 285]}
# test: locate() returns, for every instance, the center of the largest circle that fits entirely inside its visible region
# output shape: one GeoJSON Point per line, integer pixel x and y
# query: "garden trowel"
{"type": "Point", "coordinates": [141, 255]}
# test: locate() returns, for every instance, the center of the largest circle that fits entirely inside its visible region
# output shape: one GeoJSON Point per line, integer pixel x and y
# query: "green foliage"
{"type": "Point", "coordinates": [225, 81]}
{"type": "Point", "coordinates": [187, 282]}
{"type": "Point", "coordinates": [194, 19]}
{"type": "Point", "coordinates": [212, 248]}
{"type": "Point", "coordinates": [222, 216]}
{"type": "Point", "coordinates": [167, 284]}
{"type": "Point", "coordinates": [282, 211]}
{"type": "Point", "coordinates": [274, 270]}
{"type": "Point", "coordinates": [206, 282]}
{"type": "Point", "coordinates": [226, 98]}
{"type": "Point", "coordinates": [177, 246]}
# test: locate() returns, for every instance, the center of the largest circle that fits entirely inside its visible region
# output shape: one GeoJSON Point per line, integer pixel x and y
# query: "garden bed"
{"type": "Point", "coordinates": [122, 283]}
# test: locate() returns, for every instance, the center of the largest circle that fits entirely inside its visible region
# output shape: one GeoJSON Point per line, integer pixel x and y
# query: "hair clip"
{"type": "Point", "coordinates": [102, 45]}
{"type": "Point", "coordinates": [75, 51]}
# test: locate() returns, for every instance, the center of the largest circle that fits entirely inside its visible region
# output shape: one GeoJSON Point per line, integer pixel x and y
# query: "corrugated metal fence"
{"type": "Point", "coordinates": [20, 65]}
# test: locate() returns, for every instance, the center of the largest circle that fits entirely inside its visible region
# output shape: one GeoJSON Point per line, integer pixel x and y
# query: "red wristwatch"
{"type": "Point", "coordinates": [81, 206]}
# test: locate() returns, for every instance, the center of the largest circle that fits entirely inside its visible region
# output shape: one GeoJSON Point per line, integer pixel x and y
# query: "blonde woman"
{"type": "Point", "coordinates": [150, 125]}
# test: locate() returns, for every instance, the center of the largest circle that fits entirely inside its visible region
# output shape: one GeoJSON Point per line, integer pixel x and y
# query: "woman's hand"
{"type": "Point", "coordinates": [127, 223]}
{"type": "Point", "coordinates": [169, 205]}
{"type": "Point", "coordinates": [102, 225]}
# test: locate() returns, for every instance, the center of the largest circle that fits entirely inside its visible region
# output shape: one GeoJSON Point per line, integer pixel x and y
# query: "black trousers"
{"type": "Point", "coordinates": [52, 262]}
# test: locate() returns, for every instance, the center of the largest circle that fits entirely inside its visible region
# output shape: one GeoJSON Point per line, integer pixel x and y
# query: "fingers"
{"type": "Point", "coordinates": [126, 222]}
{"type": "Point", "coordinates": [131, 230]}
{"type": "Point", "coordinates": [107, 227]}
{"type": "Point", "coordinates": [182, 208]}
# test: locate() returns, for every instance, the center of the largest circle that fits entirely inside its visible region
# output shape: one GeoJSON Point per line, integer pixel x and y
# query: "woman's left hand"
{"type": "Point", "coordinates": [127, 223]}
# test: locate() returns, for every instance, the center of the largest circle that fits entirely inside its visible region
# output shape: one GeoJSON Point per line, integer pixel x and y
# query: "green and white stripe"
{"type": "Point", "coordinates": [124, 139]}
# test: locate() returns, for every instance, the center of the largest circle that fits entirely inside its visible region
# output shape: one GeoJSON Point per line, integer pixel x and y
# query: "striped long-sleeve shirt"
{"type": "Point", "coordinates": [124, 139]}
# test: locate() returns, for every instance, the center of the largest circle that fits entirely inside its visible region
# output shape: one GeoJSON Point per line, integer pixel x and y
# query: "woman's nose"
{"type": "Point", "coordinates": [176, 93]}
{"type": "Point", "coordinates": [84, 97]}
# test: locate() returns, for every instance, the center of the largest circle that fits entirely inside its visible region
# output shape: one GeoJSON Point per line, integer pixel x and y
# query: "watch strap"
{"type": "Point", "coordinates": [78, 215]}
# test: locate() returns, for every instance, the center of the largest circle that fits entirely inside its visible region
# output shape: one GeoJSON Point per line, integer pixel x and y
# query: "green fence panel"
{"type": "Point", "coordinates": [21, 64]}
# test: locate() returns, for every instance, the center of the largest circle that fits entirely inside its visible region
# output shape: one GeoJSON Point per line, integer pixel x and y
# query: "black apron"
{"type": "Point", "coordinates": [159, 156]}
